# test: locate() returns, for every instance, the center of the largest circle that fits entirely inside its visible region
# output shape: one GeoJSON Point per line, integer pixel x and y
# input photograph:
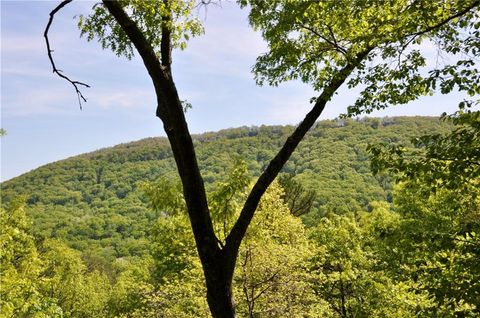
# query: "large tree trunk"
{"type": "Point", "coordinates": [218, 261]}
{"type": "Point", "coordinates": [219, 294]}
{"type": "Point", "coordinates": [218, 271]}
{"type": "Point", "coordinates": [217, 264]}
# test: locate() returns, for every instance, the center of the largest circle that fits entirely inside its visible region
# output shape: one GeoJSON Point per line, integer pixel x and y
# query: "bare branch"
{"type": "Point", "coordinates": [49, 52]}
{"type": "Point", "coordinates": [206, 3]}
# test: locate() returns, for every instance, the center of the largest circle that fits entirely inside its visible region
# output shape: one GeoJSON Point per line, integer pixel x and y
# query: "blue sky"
{"type": "Point", "coordinates": [41, 114]}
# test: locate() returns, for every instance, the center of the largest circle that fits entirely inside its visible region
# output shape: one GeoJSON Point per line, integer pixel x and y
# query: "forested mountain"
{"type": "Point", "coordinates": [93, 201]}
{"type": "Point", "coordinates": [116, 234]}
{"type": "Point", "coordinates": [111, 238]}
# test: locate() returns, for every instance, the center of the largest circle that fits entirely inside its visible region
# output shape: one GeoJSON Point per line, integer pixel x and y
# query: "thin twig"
{"type": "Point", "coordinates": [49, 52]}
{"type": "Point", "coordinates": [334, 39]}
{"type": "Point", "coordinates": [333, 42]}
{"type": "Point", "coordinates": [413, 36]}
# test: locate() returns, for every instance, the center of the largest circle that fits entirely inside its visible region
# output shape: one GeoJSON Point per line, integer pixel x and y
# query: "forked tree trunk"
{"type": "Point", "coordinates": [218, 260]}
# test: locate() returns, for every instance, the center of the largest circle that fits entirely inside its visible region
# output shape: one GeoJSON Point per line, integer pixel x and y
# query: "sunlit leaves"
{"type": "Point", "coordinates": [346, 270]}
{"type": "Point", "coordinates": [313, 40]}
{"type": "Point", "coordinates": [45, 281]}
{"type": "Point", "coordinates": [176, 16]}
{"type": "Point", "coordinates": [451, 160]}
{"type": "Point", "coordinates": [225, 201]}
{"type": "Point", "coordinates": [165, 195]}
{"type": "Point", "coordinates": [435, 241]}
{"type": "Point", "coordinates": [20, 265]}
{"type": "Point", "coordinates": [270, 279]}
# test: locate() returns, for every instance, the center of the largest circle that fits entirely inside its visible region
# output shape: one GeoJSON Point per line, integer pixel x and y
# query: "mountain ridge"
{"type": "Point", "coordinates": [93, 202]}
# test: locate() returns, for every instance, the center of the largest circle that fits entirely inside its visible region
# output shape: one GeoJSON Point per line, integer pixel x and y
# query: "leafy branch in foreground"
{"type": "Point", "coordinates": [449, 161]}
{"type": "Point", "coordinates": [437, 198]}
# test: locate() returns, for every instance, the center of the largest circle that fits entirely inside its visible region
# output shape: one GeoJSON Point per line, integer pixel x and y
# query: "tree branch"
{"type": "Point", "coordinates": [335, 40]}
{"type": "Point", "coordinates": [170, 111]}
{"type": "Point", "coordinates": [334, 44]}
{"type": "Point", "coordinates": [165, 46]}
{"type": "Point", "coordinates": [447, 20]}
{"type": "Point", "coordinates": [430, 28]}
{"type": "Point", "coordinates": [266, 178]}
{"type": "Point", "coordinates": [49, 52]}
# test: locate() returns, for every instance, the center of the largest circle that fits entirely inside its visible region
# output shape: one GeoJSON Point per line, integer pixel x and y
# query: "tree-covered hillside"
{"type": "Point", "coordinates": [257, 258]}
{"type": "Point", "coordinates": [93, 201]}
{"type": "Point", "coordinates": [132, 254]}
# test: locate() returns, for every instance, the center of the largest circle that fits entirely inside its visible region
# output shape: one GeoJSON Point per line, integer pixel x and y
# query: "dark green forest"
{"type": "Point", "coordinates": [389, 227]}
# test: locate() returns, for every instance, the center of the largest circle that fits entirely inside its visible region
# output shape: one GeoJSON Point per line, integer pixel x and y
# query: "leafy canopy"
{"type": "Point", "coordinates": [439, 160]}
{"type": "Point", "coordinates": [152, 17]}
{"type": "Point", "coordinates": [313, 40]}
{"type": "Point", "coordinates": [372, 44]}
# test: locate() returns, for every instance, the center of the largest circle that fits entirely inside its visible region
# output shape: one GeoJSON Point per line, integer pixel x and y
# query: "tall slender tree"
{"type": "Point", "coordinates": [372, 43]}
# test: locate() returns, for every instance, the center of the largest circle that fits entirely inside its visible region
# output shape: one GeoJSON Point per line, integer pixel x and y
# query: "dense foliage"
{"type": "Point", "coordinates": [95, 202]}
{"type": "Point", "coordinates": [415, 256]}
{"type": "Point", "coordinates": [314, 41]}
{"type": "Point", "coordinates": [376, 46]}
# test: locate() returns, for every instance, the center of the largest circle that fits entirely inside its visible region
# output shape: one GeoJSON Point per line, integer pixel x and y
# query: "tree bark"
{"type": "Point", "coordinates": [217, 268]}
{"type": "Point", "coordinates": [219, 288]}
{"type": "Point", "coordinates": [218, 263]}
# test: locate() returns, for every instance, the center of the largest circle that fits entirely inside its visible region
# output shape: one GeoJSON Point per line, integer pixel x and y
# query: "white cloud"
{"type": "Point", "coordinates": [228, 48]}
{"type": "Point", "coordinates": [36, 102]}
{"type": "Point", "coordinates": [124, 98]}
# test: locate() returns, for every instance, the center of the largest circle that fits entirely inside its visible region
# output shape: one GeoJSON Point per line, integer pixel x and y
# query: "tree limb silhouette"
{"type": "Point", "coordinates": [49, 52]}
